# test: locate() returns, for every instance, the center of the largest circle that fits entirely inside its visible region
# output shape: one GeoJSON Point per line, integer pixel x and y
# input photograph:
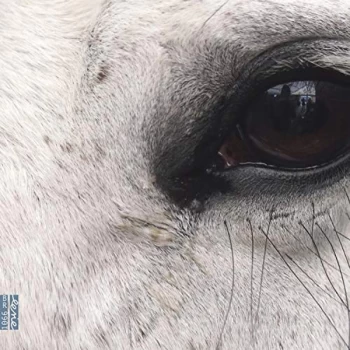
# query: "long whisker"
{"type": "Point", "coordinates": [324, 268]}
{"type": "Point", "coordinates": [342, 235]}
{"type": "Point", "coordinates": [306, 288]}
{"type": "Point", "coordinates": [339, 240]}
{"type": "Point", "coordinates": [232, 287]}
{"type": "Point", "coordinates": [335, 229]}
{"type": "Point", "coordinates": [215, 12]}
{"type": "Point", "coordinates": [263, 268]}
{"type": "Point", "coordinates": [342, 278]}
{"type": "Point", "coordinates": [312, 280]}
{"type": "Point", "coordinates": [311, 251]}
{"type": "Point", "coordinates": [348, 198]}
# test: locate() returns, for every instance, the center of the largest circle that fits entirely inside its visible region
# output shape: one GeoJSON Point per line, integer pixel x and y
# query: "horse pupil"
{"type": "Point", "coordinates": [296, 109]}
{"type": "Point", "coordinates": [298, 124]}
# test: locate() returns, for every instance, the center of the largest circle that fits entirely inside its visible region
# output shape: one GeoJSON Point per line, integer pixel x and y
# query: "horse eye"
{"type": "Point", "coordinates": [299, 124]}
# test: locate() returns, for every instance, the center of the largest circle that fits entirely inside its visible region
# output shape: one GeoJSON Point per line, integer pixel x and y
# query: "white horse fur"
{"type": "Point", "coordinates": [91, 92]}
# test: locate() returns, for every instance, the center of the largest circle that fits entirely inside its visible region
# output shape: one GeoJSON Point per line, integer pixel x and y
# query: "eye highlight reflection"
{"type": "Point", "coordinates": [299, 124]}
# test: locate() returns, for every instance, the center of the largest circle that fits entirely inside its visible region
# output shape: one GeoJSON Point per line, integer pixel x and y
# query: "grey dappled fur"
{"type": "Point", "coordinates": [96, 100]}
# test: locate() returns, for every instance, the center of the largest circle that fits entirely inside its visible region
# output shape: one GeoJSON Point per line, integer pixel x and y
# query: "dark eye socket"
{"type": "Point", "coordinates": [299, 124]}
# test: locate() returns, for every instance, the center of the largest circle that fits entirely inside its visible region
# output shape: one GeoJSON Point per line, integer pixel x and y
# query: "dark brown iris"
{"type": "Point", "coordinates": [298, 124]}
